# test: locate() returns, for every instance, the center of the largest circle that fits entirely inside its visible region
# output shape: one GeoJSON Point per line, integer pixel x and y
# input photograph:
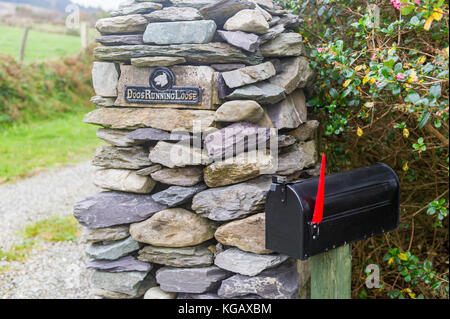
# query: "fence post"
{"type": "Point", "coordinates": [24, 43]}
{"type": "Point", "coordinates": [84, 34]}
{"type": "Point", "coordinates": [331, 274]}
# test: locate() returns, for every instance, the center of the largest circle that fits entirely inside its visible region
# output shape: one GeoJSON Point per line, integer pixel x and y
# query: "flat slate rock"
{"type": "Point", "coordinates": [174, 14]}
{"type": "Point", "coordinates": [243, 167]}
{"type": "Point", "coordinates": [284, 45]}
{"type": "Point", "coordinates": [191, 3]}
{"type": "Point", "coordinates": [232, 202]}
{"type": "Point", "coordinates": [112, 251]}
{"type": "Point", "coordinates": [249, 75]}
{"type": "Point", "coordinates": [194, 256]}
{"type": "Point", "coordinates": [125, 39]}
{"type": "Point", "coordinates": [101, 101]}
{"type": "Point", "coordinates": [131, 283]}
{"type": "Point", "coordinates": [184, 176]}
{"type": "Point", "coordinates": [105, 77]}
{"type": "Point", "coordinates": [221, 11]}
{"type": "Point", "coordinates": [296, 74]}
{"type": "Point", "coordinates": [157, 61]}
{"type": "Point", "coordinates": [127, 263]}
{"type": "Point", "coordinates": [162, 119]}
{"type": "Point", "coordinates": [247, 20]}
{"type": "Point", "coordinates": [177, 195]}
{"type": "Point", "coordinates": [116, 137]}
{"type": "Point", "coordinates": [108, 209]}
{"type": "Point", "coordinates": [191, 280]}
{"type": "Point", "coordinates": [180, 32]}
{"type": "Point", "coordinates": [137, 8]}
{"type": "Point", "coordinates": [178, 155]}
{"type": "Point", "coordinates": [245, 263]}
{"type": "Point", "coordinates": [174, 227]}
{"type": "Point", "coordinates": [263, 93]}
{"type": "Point", "coordinates": [135, 157]}
{"type": "Point", "coordinates": [277, 283]}
{"type": "Point", "coordinates": [105, 234]}
{"type": "Point", "coordinates": [151, 134]}
{"type": "Point", "coordinates": [133, 23]}
{"type": "Point", "coordinates": [224, 67]}
{"type": "Point", "coordinates": [247, 41]}
{"type": "Point", "coordinates": [214, 52]}
{"type": "Point", "coordinates": [248, 234]}
{"type": "Point", "coordinates": [149, 170]}
{"type": "Point", "coordinates": [123, 180]}
{"type": "Point", "coordinates": [289, 113]}
{"type": "Point", "coordinates": [235, 139]}
{"type": "Point", "coordinates": [306, 131]}
{"type": "Point", "coordinates": [290, 162]}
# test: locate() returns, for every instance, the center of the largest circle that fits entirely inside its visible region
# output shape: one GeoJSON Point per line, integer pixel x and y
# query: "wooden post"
{"type": "Point", "coordinates": [24, 43]}
{"type": "Point", "coordinates": [84, 34]}
{"type": "Point", "coordinates": [331, 274]}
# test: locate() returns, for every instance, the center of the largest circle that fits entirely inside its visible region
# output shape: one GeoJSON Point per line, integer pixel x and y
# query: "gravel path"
{"type": "Point", "coordinates": [52, 270]}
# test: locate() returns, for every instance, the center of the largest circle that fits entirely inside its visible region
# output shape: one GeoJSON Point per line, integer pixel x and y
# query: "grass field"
{"type": "Point", "coordinates": [29, 148]}
{"type": "Point", "coordinates": [40, 45]}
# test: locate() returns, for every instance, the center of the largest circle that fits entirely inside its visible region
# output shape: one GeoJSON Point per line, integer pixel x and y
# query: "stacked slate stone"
{"type": "Point", "coordinates": [193, 226]}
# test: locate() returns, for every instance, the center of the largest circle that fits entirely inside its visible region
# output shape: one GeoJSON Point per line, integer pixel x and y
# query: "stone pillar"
{"type": "Point", "coordinates": [201, 102]}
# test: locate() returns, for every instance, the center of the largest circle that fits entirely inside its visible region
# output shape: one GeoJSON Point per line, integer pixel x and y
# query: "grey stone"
{"type": "Point", "coordinates": [247, 41]}
{"type": "Point", "coordinates": [243, 167]}
{"type": "Point", "coordinates": [309, 150]}
{"type": "Point", "coordinates": [306, 131]}
{"type": "Point", "coordinates": [123, 180]}
{"type": "Point", "coordinates": [187, 176]}
{"type": "Point", "coordinates": [105, 234]}
{"type": "Point", "coordinates": [248, 234]}
{"type": "Point", "coordinates": [135, 157]}
{"type": "Point", "coordinates": [177, 195]}
{"type": "Point", "coordinates": [245, 263]}
{"type": "Point", "coordinates": [105, 79]}
{"type": "Point", "coordinates": [227, 67]}
{"type": "Point", "coordinates": [112, 251]}
{"type": "Point", "coordinates": [276, 283]}
{"type": "Point", "coordinates": [105, 294]}
{"type": "Point", "coordinates": [108, 209]}
{"type": "Point", "coordinates": [272, 33]}
{"type": "Point", "coordinates": [132, 283]}
{"type": "Point", "coordinates": [209, 53]}
{"type": "Point", "coordinates": [157, 61]}
{"type": "Point", "coordinates": [137, 8]}
{"type": "Point", "coordinates": [123, 24]}
{"type": "Point", "coordinates": [180, 32]}
{"type": "Point", "coordinates": [127, 263]}
{"type": "Point", "coordinates": [263, 93]}
{"type": "Point", "coordinates": [173, 227]}
{"type": "Point", "coordinates": [284, 45]}
{"type": "Point", "coordinates": [125, 39]}
{"type": "Point", "coordinates": [196, 256]}
{"type": "Point", "coordinates": [158, 293]}
{"type": "Point", "coordinates": [289, 113]}
{"type": "Point", "coordinates": [101, 101]}
{"type": "Point", "coordinates": [290, 162]}
{"type": "Point", "coordinates": [285, 141]}
{"type": "Point", "coordinates": [221, 11]}
{"type": "Point", "coordinates": [191, 280]}
{"type": "Point", "coordinates": [178, 155]}
{"type": "Point", "coordinates": [296, 74]}
{"type": "Point", "coordinates": [149, 170]}
{"type": "Point", "coordinates": [239, 111]}
{"type": "Point", "coordinates": [249, 75]}
{"type": "Point", "coordinates": [174, 14]}
{"type": "Point", "coordinates": [235, 139]}
{"type": "Point", "coordinates": [247, 20]}
{"type": "Point", "coordinates": [162, 119]}
{"type": "Point", "coordinates": [191, 3]}
{"type": "Point", "coordinates": [151, 134]}
{"type": "Point", "coordinates": [232, 202]}
{"type": "Point", "coordinates": [116, 137]}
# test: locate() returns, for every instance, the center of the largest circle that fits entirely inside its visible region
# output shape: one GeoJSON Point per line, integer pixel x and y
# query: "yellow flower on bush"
{"type": "Point", "coordinates": [436, 15]}
{"type": "Point", "coordinates": [402, 256]}
{"type": "Point", "coordinates": [346, 83]}
{"type": "Point", "coordinates": [360, 67]}
{"type": "Point", "coordinates": [405, 167]}
{"type": "Point", "coordinates": [421, 60]}
{"type": "Point", "coordinates": [391, 260]}
{"type": "Point", "coordinates": [359, 132]}
{"type": "Point", "coordinates": [413, 77]}
{"type": "Point", "coordinates": [405, 132]}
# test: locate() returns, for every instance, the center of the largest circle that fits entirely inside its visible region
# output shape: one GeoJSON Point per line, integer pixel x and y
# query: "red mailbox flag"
{"type": "Point", "coordinates": [318, 208]}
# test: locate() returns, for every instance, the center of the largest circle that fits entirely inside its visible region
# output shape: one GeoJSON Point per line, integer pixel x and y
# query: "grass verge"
{"type": "Point", "coordinates": [56, 228]}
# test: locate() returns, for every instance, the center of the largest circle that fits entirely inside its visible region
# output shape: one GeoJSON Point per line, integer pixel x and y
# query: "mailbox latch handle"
{"type": "Point", "coordinates": [315, 230]}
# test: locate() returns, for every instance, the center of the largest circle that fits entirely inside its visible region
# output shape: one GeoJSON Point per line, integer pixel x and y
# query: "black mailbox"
{"type": "Point", "coordinates": [357, 204]}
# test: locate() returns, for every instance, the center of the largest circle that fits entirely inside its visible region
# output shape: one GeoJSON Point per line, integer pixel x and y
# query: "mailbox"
{"type": "Point", "coordinates": [357, 204]}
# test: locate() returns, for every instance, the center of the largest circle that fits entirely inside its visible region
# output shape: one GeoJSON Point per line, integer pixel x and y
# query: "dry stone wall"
{"type": "Point", "coordinates": [200, 102]}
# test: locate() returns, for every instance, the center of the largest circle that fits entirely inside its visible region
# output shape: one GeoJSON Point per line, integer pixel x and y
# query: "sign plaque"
{"type": "Point", "coordinates": [162, 90]}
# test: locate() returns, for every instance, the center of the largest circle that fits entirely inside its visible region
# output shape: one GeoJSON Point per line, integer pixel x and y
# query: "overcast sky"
{"type": "Point", "coordinates": [104, 4]}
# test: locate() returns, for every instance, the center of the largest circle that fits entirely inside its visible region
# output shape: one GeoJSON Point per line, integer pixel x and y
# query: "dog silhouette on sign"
{"type": "Point", "coordinates": [161, 80]}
